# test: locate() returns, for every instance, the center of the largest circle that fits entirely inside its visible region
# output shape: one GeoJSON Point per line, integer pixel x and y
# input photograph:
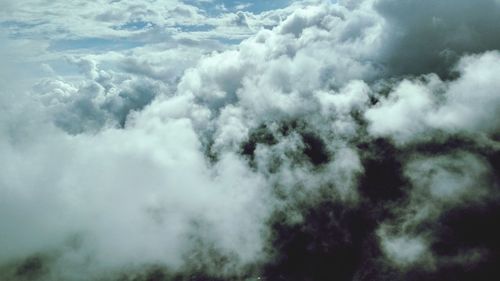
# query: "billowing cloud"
{"type": "Point", "coordinates": [349, 140]}
{"type": "Point", "coordinates": [467, 104]}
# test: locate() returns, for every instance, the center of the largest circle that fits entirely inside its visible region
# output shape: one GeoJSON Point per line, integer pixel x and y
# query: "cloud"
{"type": "Point", "coordinates": [416, 108]}
{"type": "Point", "coordinates": [330, 143]}
{"type": "Point", "coordinates": [451, 177]}
{"type": "Point", "coordinates": [404, 250]}
{"type": "Point", "coordinates": [429, 36]}
{"type": "Point", "coordinates": [163, 192]}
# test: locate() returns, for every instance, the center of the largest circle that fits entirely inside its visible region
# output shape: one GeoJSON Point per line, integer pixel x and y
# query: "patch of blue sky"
{"type": "Point", "coordinates": [95, 44]}
{"type": "Point", "coordinates": [195, 28]}
{"type": "Point", "coordinates": [255, 6]}
{"type": "Point", "coordinates": [135, 25]}
{"type": "Point", "coordinates": [18, 24]}
{"type": "Point", "coordinates": [18, 29]}
{"type": "Point", "coordinates": [228, 41]}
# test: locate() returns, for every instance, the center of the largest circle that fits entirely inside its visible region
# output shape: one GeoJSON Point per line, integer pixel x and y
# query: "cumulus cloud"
{"type": "Point", "coordinates": [337, 140]}
{"type": "Point", "coordinates": [468, 104]}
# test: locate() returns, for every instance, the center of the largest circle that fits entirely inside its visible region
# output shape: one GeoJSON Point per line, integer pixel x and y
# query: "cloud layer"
{"type": "Point", "coordinates": [355, 140]}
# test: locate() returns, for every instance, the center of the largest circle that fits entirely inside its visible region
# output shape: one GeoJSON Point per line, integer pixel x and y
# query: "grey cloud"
{"type": "Point", "coordinates": [451, 177]}
{"type": "Point", "coordinates": [430, 36]}
{"type": "Point", "coordinates": [405, 251]}
{"type": "Point", "coordinates": [90, 106]}
{"type": "Point", "coordinates": [437, 184]}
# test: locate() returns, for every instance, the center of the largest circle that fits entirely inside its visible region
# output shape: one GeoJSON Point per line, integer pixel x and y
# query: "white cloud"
{"type": "Point", "coordinates": [127, 192]}
{"type": "Point", "coordinates": [180, 149]}
{"type": "Point", "coordinates": [468, 104]}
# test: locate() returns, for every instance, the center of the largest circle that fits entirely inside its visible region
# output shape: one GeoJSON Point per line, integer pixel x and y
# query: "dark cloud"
{"type": "Point", "coordinates": [430, 36]}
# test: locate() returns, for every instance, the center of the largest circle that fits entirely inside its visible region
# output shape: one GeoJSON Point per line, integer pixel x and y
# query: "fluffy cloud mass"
{"type": "Point", "coordinates": [212, 140]}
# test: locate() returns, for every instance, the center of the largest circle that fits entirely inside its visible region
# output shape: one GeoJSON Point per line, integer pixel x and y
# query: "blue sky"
{"type": "Point", "coordinates": [250, 6]}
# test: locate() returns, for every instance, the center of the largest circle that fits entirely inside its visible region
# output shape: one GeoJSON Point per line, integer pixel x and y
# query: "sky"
{"type": "Point", "coordinates": [267, 140]}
